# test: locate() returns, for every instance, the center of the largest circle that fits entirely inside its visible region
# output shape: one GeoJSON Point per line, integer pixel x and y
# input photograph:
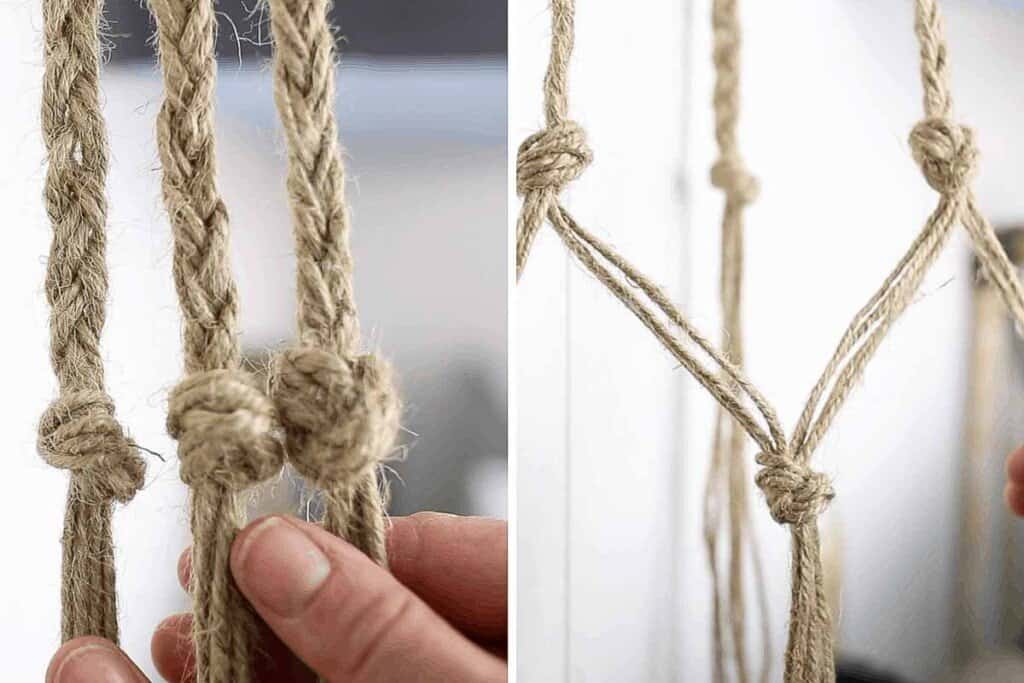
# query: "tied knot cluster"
{"type": "Point", "coordinates": [946, 153]}
{"type": "Point", "coordinates": [227, 430]}
{"type": "Point", "coordinates": [78, 432]}
{"type": "Point", "coordinates": [340, 416]}
{"type": "Point", "coordinates": [552, 158]}
{"type": "Point", "coordinates": [796, 494]}
{"type": "Point", "coordinates": [730, 175]}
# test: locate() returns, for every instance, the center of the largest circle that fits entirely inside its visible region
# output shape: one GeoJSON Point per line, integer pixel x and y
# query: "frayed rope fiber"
{"type": "Point", "coordinates": [795, 494]}
{"type": "Point", "coordinates": [79, 432]}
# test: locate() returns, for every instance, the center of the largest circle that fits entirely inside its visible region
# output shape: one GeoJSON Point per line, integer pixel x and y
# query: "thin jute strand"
{"type": "Point", "coordinates": [78, 431]}
{"type": "Point", "coordinates": [796, 495]}
{"type": "Point", "coordinates": [227, 428]}
{"type": "Point", "coordinates": [726, 508]}
{"type": "Point", "coordinates": [339, 409]}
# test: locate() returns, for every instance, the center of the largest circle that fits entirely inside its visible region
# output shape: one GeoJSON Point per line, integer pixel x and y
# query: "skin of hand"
{"type": "Point", "coordinates": [438, 613]}
{"type": "Point", "coordinates": [1014, 492]}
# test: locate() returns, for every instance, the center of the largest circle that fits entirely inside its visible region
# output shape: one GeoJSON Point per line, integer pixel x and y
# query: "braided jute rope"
{"type": "Point", "coordinates": [339, 409]}
{"type": "Point", "coordinates": [795, 494]}
{"type": "Point", "coordinates": [726, 508]}
{"type": "Point", "coordinates": [227, 428]}
{"type": "Point", "coordinates": [78, 432]}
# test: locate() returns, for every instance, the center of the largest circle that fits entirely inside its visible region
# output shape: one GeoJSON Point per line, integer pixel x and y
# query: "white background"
{"type": "Point", "coordinates": [614, 438]}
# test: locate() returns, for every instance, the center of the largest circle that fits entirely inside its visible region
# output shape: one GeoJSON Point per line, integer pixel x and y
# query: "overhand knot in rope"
{"type": "Point", "coordinates": [946, 153]}
{"type": "Point", "coordinates": [78, 432]}
{"type": "Point", "coordinates": [227, 430]}
{"type": "Point", "coordinates": [340, 416]}
{"type": "Point", "coordinates": [795, 493]}
{"type": "Point", "coordinates": [730, 175]}
{"type": "Point", "coordinates": [552, 158]}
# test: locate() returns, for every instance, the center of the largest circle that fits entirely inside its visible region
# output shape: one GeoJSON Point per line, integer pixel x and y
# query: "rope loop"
{"type": "Point", "coordinates": [946, 153]}
{"type": "Point", "coordinates": [227, 430]}
{"type": "Point", "coordinates": [79, 433]}
{"type": "Point", "coordinates": [340, 416]}
{"type": "Point", "coordinates": [795, 493]}
{"type": "Point", "coordinates": [730, 175]}
{"type": "Point", "coordinates": [552, 158]}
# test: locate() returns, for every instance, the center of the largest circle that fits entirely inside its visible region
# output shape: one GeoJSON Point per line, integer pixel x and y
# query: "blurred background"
{"type": "Point", "coordinates": [422, 111]}
{"type": "Point", "coordinates": [614, 438]}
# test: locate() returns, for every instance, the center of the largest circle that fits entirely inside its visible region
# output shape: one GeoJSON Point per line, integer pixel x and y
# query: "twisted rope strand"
{"type": "Point", "coordinates": [226, 426]}
{"type": "Point", "coordinates": [78, 431]}
{"type": "Point", "coordinates": [339, 409]}
{"type": "Point", "coordinates": [726, 489]}
{"type": "Point", "coordinates": [795, 494]}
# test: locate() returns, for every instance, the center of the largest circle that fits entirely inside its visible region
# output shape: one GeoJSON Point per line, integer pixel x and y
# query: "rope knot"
{"type": "Point", "coordinates": [340, 416]}
{"type": "Point", "coordinates": [78, 432]}
{"type": "Point", "coordinates": [227, 430]}
{"type": "Point", "coordinates": [796, 494]}
{"type": "Point", "coordinates": [946, 153]}
{"type": "Point", "coordinates": [730, 175]}
{"type": "Point", "coordinates": [552, 158]}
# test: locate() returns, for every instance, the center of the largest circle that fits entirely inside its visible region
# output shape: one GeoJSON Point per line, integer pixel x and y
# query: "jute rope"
{"type": "Point", "coordinates": [726, 509]}
{"type": "Point", "coordinates": [227, 428]}
{"type": "Point", "coordinates": [339, 409]}
{"type": "Point", "coordinates": [795, 494]}
{"type": "Point", "coordinates": [78, 432]}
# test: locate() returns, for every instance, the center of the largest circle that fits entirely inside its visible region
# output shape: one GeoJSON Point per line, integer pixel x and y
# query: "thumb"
{"type": "Point", "coordinates": [89, 659]}
{"type": "Point", "coordinates": [345, 617]}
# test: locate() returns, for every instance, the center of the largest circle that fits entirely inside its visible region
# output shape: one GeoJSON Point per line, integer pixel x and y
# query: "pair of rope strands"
{"type": "Point", "coordinates": [796, 495]}
{"type": "Point", "coordinates": [330, 411]}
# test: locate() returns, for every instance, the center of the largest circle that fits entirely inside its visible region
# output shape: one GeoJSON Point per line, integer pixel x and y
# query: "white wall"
{"type": "Point", "coordinates": [830, 92]}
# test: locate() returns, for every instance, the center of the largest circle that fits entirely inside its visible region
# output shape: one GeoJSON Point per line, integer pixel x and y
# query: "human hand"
{"type": "Point", "coordinates": [1014, 492]}
{"type": "Point", "coordinates": [439, 615]}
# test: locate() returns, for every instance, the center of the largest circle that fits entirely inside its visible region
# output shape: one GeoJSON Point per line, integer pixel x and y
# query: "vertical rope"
{"type": "Point", "coordinates": [78, 432]}
{"type": "Point", "coordinates": [796, 495]}
{"type": "Point", "coordinates": [225, 425]}
{"type": "Point", "coordinates": [725, 499]}
{"type": "Point", "coordinates": [339, 409]}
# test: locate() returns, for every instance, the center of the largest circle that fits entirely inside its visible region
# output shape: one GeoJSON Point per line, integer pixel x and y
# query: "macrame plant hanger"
{"type": "Point", "coordinates": [796, 495]}
{"type": "Point", "coordinates": [333, 413]}
{"type": "Point", "coordinates": [78, 432]}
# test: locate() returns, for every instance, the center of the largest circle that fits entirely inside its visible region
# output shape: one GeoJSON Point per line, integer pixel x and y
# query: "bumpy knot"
{"type": "Point", "coordinates": [795, 493]}
{"type": "Point", "coordinates": [552, 158]}
{"type": "Point", "coordinates": [78, 432]}
{"type": "Point", "coordinates": [732, 177]}
{"type": "Point", "coordinates": [227, 430]}
{"type": "Point", "coordinates": [340, 416]}
{"type": "Point", "coordinates": [946, 153]}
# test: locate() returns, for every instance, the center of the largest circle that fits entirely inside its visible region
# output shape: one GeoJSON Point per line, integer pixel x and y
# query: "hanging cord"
{"type": "Point", "coordinates": [725, 500]}
{"type": "Point", "coordinates": [78, 432]}
{"type": "Point", "coordinates": [339, 409]}
{"type": "Point", "coordinates": [796, 495]}
{"type": "Point", "coordinates": [226, 427]}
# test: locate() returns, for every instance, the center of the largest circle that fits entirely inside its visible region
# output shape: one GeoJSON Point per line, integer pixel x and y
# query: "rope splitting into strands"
{"type": "Point", "coordinates": [78, 432]}
{"type": "Point", "coordinates": [339, 409]}
{"type": "Point", "coordinates": [726, 508]}
{"type": "Point", "coordinates": [796, 495]}
{"type": "Point", "coordinates": [227, 428]}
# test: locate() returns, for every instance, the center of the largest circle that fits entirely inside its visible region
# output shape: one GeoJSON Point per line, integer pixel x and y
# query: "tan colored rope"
{"type": "Point", "coordinates": [795, 494]}
{"type": "Point", "coordinates": [339, 409]}
{"type": "Point", "coordinates": [78, 432]}
{"type": "Point", "coordinates": [226, 427]}
{"type": "Point", "coordinates": [726, 510]}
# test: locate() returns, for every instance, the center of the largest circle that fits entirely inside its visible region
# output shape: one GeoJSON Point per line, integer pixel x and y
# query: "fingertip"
{"type": "Point", "coordinates": [90, 658]}
{"type": "Point", "coordinates": [185, 567]}
{"type": "Point", "coordinates": [171, 648]}
{"type": "Point", "coordinates": [1015, 466]}
{"type": "Point", "coordinates": [1014, 495]}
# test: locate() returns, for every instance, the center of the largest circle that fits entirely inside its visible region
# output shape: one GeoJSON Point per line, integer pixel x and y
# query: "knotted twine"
{"type": "Point", "coordinates": [726, 509]}
{"type": "Point", "coordinates": [78, 432]}
{"type": "Point", "coordinates": [339, 409]}
{"type": "Point", "coordinates": [795, 494]}
{"type": "Point", "coordinates": [227, 428]}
